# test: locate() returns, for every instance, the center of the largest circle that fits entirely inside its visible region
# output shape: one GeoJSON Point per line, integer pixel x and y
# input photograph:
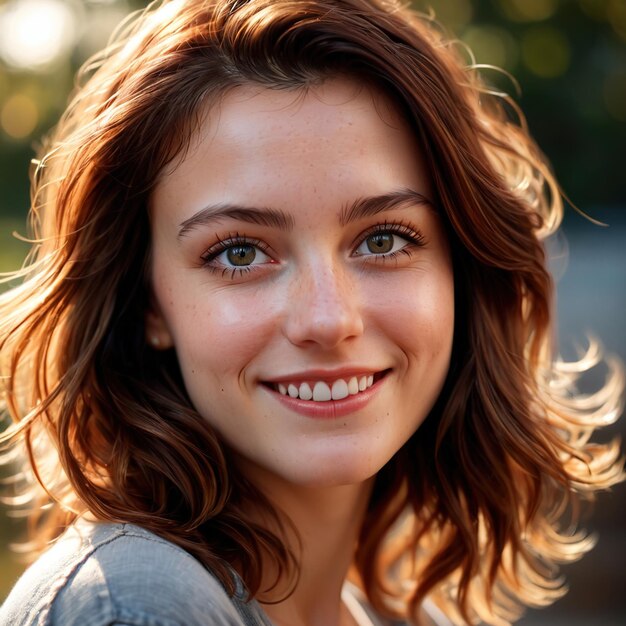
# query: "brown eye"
{"type": "Point", "coordinates": [386, 241]}
{"type": "Point", "coordinates": [241, 255]}
{"type": "Point", "coordinates": [236, 254]}
{"type": "Point", "coordinates": [380, 243]}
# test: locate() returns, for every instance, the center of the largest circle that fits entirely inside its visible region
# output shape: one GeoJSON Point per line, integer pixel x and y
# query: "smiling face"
{"type": "Point", "coordinates": [304, 280]}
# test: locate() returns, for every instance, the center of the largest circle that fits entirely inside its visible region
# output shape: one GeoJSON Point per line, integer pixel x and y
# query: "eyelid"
{"type": "Point", "coordinates": [229, 241]}
{"type": "Point", "coordinates": [208, 257]}
{"type": "Point", "coordinates": [400, 228]}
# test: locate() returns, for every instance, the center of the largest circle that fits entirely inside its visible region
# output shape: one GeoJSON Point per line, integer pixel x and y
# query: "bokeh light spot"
{"type": "Point", "coordinates": [545, 51]}
{"type": "Point", "coordinates": [617, 16]}
{"type": "Point", "coordinates": [19, 116]}
{"type": "Point", "coordinates": [455, 14]}
{"type": "Point", "coordinates": [5, 84]}
{"type": "Point", "coordinates": [98, 25]}
{"type": "Point", "coordinates": [35, 33]}
{"type": "Point", "coordinates": [528, 10]}
{"type": "Point", "coordinates": [492, 45]}
{"type": "Point", "coordinates": [595, 9]}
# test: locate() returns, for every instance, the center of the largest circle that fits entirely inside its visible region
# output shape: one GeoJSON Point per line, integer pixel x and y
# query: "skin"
{"type": "Point", "coordinates": [317, 299]}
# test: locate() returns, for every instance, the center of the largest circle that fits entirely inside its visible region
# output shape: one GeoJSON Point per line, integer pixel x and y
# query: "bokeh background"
{"type": "Point", "coordinates": [569, 57]}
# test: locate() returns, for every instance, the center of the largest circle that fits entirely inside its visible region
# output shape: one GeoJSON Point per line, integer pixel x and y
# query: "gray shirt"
{"type": "Point", "coordinates": [120, 574]}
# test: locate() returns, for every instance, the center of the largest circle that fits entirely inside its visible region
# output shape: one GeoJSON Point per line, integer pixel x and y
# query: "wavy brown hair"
{"type": "Point", "coordinates": [469, 510]}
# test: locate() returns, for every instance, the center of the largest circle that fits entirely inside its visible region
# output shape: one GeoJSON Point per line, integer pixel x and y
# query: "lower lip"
{"type": "Point", "coordinates": [331, 409]}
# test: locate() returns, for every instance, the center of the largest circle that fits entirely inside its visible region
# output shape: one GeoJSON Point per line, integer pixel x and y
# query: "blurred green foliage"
{"type": "Point", "coordinates": [569, 57]}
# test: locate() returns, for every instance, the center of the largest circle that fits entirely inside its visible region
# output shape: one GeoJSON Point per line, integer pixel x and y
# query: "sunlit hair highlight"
{"type": "Point", "coordinates": [470, 510]}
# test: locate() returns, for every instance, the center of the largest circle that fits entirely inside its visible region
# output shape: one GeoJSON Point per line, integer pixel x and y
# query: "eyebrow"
{"type": "Point", "coordinates": [373, 205]}
{"type": "Point", "coordinates": [252, 215]}
{"type": "Point", "coordinates": [359, 209]}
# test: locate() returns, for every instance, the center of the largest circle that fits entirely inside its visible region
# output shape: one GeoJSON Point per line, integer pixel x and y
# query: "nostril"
{"type": "Point", "coordinates": [326, 328]}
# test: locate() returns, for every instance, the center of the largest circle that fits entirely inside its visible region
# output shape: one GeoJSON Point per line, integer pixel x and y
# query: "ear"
{"type": "Point", "coordinates": [158, 334]}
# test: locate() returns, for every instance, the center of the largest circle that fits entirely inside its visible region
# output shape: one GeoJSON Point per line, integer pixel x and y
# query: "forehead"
{"type": "Point", "coordinates": [334, 104]}
{"type": "Point", "coordinates": [283, 144]}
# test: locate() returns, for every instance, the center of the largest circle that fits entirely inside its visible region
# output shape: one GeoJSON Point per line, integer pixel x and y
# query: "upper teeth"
{"type": "Point", "coordinates": [323, 392]}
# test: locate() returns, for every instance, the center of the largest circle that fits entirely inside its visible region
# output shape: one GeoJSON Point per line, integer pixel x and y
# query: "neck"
{"type": "Point", "coordinates": [327, 521]}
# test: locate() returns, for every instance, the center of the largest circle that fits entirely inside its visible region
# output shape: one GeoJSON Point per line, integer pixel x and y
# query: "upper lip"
{"type": "Point", "coordinates": [325, 374]}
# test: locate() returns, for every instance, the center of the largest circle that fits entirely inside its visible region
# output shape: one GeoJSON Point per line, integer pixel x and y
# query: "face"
{"type": "Point", "coordinates": [304, 280]}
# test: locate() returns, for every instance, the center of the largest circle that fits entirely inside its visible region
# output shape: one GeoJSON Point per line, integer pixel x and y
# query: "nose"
{"type": "Point", "coordinates": [324, 308]}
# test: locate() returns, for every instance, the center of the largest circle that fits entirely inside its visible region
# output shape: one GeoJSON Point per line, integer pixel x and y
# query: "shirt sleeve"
{"type": "Point", "coordinates": [127, 578]}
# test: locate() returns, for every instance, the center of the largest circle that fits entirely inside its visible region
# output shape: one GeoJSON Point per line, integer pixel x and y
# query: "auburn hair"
{"type": "Point", "coordinates": [470, 511]}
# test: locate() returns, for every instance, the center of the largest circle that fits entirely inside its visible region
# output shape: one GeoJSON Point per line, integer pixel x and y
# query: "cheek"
{"type": "Point", "coordinates": [418, 312]}
{"type": "Point", "coordinates": [217, 331]}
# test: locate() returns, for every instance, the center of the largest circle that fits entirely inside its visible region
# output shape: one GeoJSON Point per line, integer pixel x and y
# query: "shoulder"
{"type": "Point", "coordinates": [105, 574]}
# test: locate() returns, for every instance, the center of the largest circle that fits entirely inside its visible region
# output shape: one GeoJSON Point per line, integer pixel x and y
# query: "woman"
{"type": "Point", "coordinates": [282, 355]}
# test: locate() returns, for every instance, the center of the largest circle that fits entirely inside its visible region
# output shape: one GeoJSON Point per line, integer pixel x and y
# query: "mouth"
{"type": "Point", "coordinates": [325, 390]}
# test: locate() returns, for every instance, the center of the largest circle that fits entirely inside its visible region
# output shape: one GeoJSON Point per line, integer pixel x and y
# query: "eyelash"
{"type": "Point", "coordinates": [231, 241]}
{"type": "Point", "coordinates": [414, 239]}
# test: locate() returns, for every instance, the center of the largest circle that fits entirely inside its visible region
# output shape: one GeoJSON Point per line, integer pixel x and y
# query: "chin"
{"type": "Point", "coordinates": [334, 472]}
